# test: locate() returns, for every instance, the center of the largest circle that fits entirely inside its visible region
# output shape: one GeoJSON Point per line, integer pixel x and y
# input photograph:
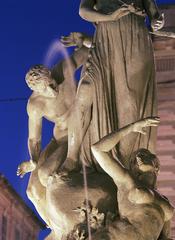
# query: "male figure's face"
{"type": "Point", "coordinates": [145, 168]}
{"type": "Point", "coordinates": [46, 87]}
{"type": "Point", "coordinates": [40, 81]}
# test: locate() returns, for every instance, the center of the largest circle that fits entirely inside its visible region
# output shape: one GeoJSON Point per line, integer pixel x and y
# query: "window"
{"type": "Point", "coordinates": [4, 228]}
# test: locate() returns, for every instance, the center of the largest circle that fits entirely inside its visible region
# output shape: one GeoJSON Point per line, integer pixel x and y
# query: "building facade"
{"type": "Point", "coordinates": [17, 221]}
{"type": "Point", "coordinates": [165, 67]}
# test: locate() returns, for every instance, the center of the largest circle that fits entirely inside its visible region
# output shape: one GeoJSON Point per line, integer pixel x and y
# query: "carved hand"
{"type": "Point", "coordinates": [147, 122]}
{"type": "Point", "coordinates": [74, 39]}
{"type": "Point", "coordinates": [157, 24]}
{"type": "Point", "coordinates": [125, 9]}
{"type": "Point", "coordinates": [26, 167]}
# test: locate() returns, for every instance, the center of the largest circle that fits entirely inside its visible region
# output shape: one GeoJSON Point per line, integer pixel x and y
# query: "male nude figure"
{"type": "Point", "coordinates": [144, 212]}
{"type": "Point", "coordinates": [53, 101]}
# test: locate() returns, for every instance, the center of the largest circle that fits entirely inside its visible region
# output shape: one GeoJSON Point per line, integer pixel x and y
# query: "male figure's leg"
{"type": "Point", "coordinates": [55, 159]}
{"type": "Point", "coordinates": [36, 192]}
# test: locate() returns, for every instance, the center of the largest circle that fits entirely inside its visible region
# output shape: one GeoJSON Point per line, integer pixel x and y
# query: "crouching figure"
{"type": "Point", "coordinates": [144, 213]}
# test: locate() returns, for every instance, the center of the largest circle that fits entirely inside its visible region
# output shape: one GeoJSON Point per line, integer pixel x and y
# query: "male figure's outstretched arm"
{"type": "Point", "coordinates": [64, 72]}
{"type": "Point", "coordinates": [101, 148]}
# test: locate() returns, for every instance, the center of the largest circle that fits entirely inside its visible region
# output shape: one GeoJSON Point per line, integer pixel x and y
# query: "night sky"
{"type": "Point", "coordinates": [27, 30]}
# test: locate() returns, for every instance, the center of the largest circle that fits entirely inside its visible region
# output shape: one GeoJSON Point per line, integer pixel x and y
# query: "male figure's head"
{"type": "Point", "coordinates": [145, 167]}
{"type": "Point", "coordinates": [39, 79]}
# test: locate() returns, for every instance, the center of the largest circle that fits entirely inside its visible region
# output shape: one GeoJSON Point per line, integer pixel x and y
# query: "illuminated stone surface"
{"type": "Point", "coordinates": [17, 221]}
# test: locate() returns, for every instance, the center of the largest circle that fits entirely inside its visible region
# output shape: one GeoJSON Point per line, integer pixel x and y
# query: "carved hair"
{"type": "Point", "coordinates": [148, 156]}
{"type": "Point", "coordinates": [36, 74]}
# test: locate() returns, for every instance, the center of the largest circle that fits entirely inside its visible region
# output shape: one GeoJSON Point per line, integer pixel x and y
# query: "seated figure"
{"type": "Point", "coordinates": [144, 213]}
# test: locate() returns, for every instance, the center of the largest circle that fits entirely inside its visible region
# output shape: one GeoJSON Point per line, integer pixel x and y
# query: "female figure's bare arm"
{"type": "Point", "coordinates": [151, 9]}
{"type": "Point", "coordinates": [88, 12]}
{"type": "Point", "coordinates": [112, 167]}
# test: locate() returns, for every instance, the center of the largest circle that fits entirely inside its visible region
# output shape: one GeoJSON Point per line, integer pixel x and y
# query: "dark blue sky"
{"type": "Point", "coordinates": [27, 30]}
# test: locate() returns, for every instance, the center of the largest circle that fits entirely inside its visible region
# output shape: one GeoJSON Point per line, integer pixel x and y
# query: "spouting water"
{"type": "Point", "coordinates": [86, 199]}
{"type": "Point", "coordinates": [56, 48]}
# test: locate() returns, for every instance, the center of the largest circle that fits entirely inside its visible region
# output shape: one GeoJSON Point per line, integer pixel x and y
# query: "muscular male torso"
{"type": "Point", "coordinates": [53, 109]}
{"type": "Point", "coordinates": [145, 209]}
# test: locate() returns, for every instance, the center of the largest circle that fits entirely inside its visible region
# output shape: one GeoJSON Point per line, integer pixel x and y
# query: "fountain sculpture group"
{"type": "Point", "coordinates": [96, 179]}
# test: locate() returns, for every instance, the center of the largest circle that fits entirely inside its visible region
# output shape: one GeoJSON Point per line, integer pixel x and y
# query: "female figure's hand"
{"type": "Point", "coordinates": [122, 11]}
{"type": "Point", "coordinates": [126, 9]}
{"type": "Point", "coordinates": [157, 24]}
